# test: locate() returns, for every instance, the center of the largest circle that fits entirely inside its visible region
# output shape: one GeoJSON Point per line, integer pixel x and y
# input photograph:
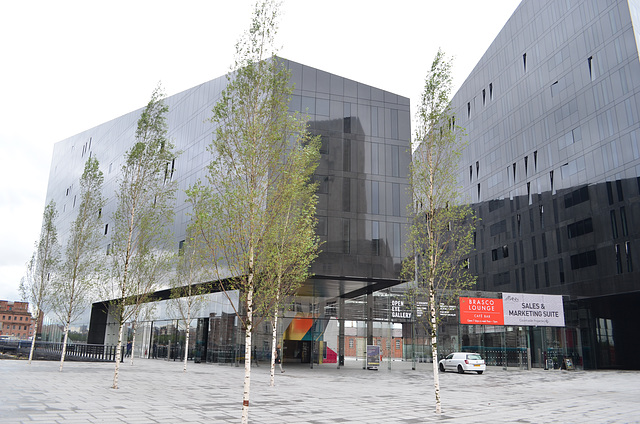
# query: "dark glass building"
{"type": "Point", "coordinates": [361, 214]}
{"type": "Point", "coordinates": [553, 165]}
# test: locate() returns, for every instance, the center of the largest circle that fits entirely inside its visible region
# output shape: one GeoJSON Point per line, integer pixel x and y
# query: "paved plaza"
{"type": "Point", "coordinates": [156, 391]}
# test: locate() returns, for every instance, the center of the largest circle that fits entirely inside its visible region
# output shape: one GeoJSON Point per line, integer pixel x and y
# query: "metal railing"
{"type": "Point", "coordinates": [53, 350]}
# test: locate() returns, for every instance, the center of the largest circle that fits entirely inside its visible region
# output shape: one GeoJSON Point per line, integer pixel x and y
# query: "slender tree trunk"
{"type": "Point", "coordinates": [33, 339]}
{"type": "Point", "coordinates": [434, 345]}
{"type": "Point", "coordinates": [64, 344]}
{"type": "Point", "coordinates": [274, 337]}
{"type": "Point", "coordinates": [186, 347]}
{"type": "Point", "coordinates": [247, 344]}
{"type": "Point", "coordinates": [118, 356]}
{"type": "Point", "coordinates": [133, 340]}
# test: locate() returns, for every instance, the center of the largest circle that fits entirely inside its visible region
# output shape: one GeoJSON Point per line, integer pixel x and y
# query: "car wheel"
{"type": "Point", "coordinates": [460, 369]}
{"type": "Point", "coordinates": [441, 368]}
{"type": "Point", "coordinates": [479, 372]}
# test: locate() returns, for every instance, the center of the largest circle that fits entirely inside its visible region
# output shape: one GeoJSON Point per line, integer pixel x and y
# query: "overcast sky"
{"type": "Point", "coordinates": [67, 66]}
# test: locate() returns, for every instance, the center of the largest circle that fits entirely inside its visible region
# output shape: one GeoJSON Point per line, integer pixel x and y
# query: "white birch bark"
{"type": "Point", "coordinates": [274, 342]}
{"type": "Point", "coordinates": [33, 339]}
{"type": "Point", "coordinates": [247, 356]}
{"type": "Point", "coordinates": [118, 357]}
{"type": "Point", "coordinates": [133, 340]}
{"type": "Point", "coordinates": [186, 347]}
{"type": "Point", "coordinates": [434, 348]}
{"type": "Point", "coordinates": [64, 345]}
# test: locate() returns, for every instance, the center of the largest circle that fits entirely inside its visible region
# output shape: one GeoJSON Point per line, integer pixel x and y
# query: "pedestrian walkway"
{"type": "Point", "coordinates": [157, 391]}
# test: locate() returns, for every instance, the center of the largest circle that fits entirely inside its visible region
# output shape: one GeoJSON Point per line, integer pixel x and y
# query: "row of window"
{"type": "Point", "coordinates": [15, 318]}
{"type": "Point", "coordinates": [578, 261]}
{"type": "Point", "coordinates": [19, 327]}
{"type": "Point", "coordinates": [377, 342]}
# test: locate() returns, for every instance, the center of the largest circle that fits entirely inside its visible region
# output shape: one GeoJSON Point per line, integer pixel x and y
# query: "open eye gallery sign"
{"type": "Point", "coordinates": [513, 309]}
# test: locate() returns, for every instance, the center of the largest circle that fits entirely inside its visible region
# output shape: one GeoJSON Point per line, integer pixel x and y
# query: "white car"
{"type": "Point", "coordinates": [463, 361]}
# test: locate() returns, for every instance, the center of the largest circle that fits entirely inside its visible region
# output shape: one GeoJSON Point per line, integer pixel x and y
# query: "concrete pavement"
{"type": "Point", "coordinates": [157, 391]}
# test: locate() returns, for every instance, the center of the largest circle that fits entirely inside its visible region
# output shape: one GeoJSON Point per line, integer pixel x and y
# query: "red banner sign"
{"type": "Point", "coordinates": [477, 310]}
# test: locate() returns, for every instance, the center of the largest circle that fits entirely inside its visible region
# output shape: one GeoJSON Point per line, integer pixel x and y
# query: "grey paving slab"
{"type": "Point", "coordinates": [156, 391]}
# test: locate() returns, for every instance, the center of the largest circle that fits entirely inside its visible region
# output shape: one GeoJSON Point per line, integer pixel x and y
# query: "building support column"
{"type": "Point", "coordinates": [341, 332]}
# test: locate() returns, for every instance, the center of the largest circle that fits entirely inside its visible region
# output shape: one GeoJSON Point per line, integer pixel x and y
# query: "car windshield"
{"type": "Point", "coordinates": [474, 356]}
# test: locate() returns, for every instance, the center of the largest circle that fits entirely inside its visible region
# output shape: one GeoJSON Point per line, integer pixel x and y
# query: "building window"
{"type": "Point", "coordinates": [580, 228]}
{"type": "Point", "coordinates": [323, 183]}
{"type": "Point", "coordinates": [468, 109]}
{"type": "Point", "coordinates": [346, 236]}
{"type": "Point", "coordinates": [592, 75]}
{"type": "Point", "coordinates": [490, 91]}
{"type": "Point", "coordinates": [346, 194]}
{"type": "Point", "coordinates": [106, 229]}
{"type": "Point", "coordinates": [395, 197]}
{"type": "Point", "coordinates": [623, 221]}
{"type": "Point", "coordinates": [576, 197]}
{"type": "Point", "coordinates": [375, 238]}
{"type": "Point", "coordinates": [500, 253]}
{"type": "Point", "coordinates": [546, 274]}
{"type": "Point", "coordinates": [583, 260]}
{"type": "Point", "coordinates": [561, 268]}
{"type": "Point", "coordinates": [524, 62]}
{"type": "Point", "coordinates": [614, 224]}
{"type": "Point", "coordinates": [375, 197]}
{"type": "Point", "coordinates": [627, 248]}
{"type": "Point", "coordinates": [609, 192]}
{"type": "Point", "coordinates": [181, 247]}
{"type": "Point", "coordinates": [321, 228]}
{"type": "Point", "coordinates": [346, 155]}
{"type": "Point", "coordinates": [618, 260]}
{"type": "Point", "coordinates": [619, 190]}
{"type": "Point", "coordinates": [484, 97]}
{"type": "Point", "coordinates": [395, 161]}
{"type": "Point", "coordinates": [350, 343]}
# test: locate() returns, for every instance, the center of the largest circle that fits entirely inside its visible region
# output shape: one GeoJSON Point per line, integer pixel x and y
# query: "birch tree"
{"type": "Point", "coordinates": [292, 240]}
{"type": "Point", "coordinates": [188, 287]}
{"type": "Point", "coordinates": [441, 232]}
{"type": "Point", "coordinates": [140, 252]}
{"type": "Point", "coordinates": [41, 270]}
{"type": "Point", "coordinates": [251, 151]}
{"type": "Point", "coordinates": [81, 266]}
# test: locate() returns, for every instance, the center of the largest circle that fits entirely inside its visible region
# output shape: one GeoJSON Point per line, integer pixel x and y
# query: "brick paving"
{"type": "Point", "coordinates": [156, 391]}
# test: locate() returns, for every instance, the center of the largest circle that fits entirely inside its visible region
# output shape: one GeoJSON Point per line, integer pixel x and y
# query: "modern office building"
{"type": "Point", "coordinates": [553, 169]}
{"type": "Point", "coordinates": [361, 213]}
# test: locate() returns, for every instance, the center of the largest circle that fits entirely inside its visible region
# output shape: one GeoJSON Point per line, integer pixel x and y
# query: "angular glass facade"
{"type": "Point", "coordinates": [361, 213]}
{"type": "Point", "coordinates": [552, 166]}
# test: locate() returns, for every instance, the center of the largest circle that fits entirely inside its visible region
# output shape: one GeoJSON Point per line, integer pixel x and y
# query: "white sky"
{"type": "Point", "coordinates": [67, 66]}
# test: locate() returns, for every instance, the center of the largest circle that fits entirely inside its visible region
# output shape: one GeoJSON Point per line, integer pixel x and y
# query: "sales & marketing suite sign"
{"type": "Point", "coordinates": [533, 309]}
{"type": "Point", "coordinates": [518, 309]}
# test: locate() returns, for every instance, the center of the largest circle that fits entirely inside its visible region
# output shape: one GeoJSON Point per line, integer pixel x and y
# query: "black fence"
{"type": "Point", "coordinates": [53, 351]}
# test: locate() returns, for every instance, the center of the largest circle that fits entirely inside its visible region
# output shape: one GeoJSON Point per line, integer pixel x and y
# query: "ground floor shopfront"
{"type": "Point", "coordinates": [320, 331]}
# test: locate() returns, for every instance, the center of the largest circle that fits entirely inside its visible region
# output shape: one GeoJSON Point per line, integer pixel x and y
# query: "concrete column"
{"type": "Point", "coordinates": [341, 332]}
